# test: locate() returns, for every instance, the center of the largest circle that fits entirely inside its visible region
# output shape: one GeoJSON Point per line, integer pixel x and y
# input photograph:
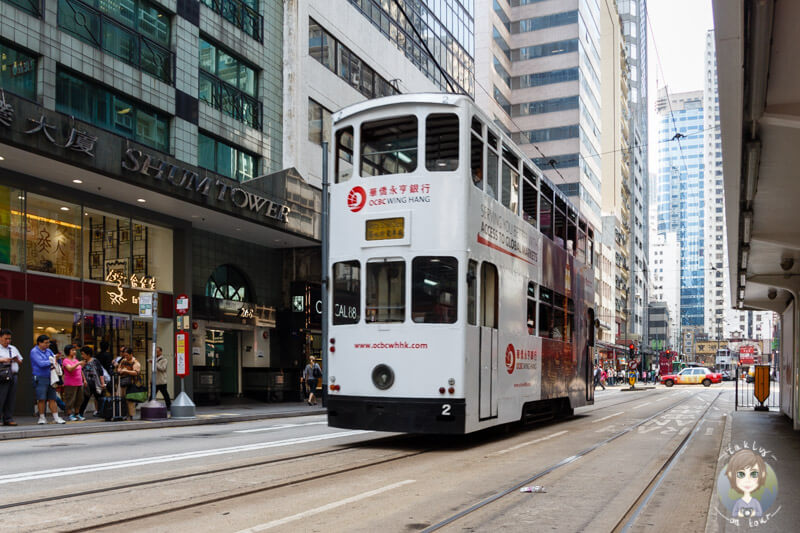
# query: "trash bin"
{"type": "Point", "coordinates": [207, 387]}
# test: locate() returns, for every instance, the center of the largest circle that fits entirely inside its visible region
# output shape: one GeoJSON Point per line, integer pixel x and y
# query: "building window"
{"type": "Point", "coordinates": [224, 159]}
{"type": "Point", "coordinates": [134, 31]}
{"type": "Point", "coordinates": [501, 100]}
{"type": "Point", "coordinates": [502, 72]}
{"type": "Point", "coordinates": [550, 134]}
{"type": "Point", "coordinates": [547, 21]}
{"type": "Point", "coordinates": [544, 50]}
{"type": "Point", "coordinates": [228, 84]}
{"type": "Point", "coordinates": [228, 283]}
{"type": "Point", "coordinates": [345, 64]}
{"type": "Point", "coordinates": [111, 111]}
{"type": "Point", "coordinates": [241, 13]}
{"type": "Point", "coordinates": [32, 7]}
{"type": "Point", "coordinates": [545, 78]}
{"type": "Point", "coordinates": [17, 72]}
{"type": "Point", "coordinates": [319, 123]}
{"type": "Point", "coordinates": [545, 106]}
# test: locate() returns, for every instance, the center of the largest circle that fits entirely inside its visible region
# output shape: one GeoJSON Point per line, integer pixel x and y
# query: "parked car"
{"type": "Point", "coordinates": [692, 376]}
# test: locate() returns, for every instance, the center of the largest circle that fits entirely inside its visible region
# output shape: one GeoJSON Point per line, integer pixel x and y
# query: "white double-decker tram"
{"type": "Point", "coordinates": [461, 280]}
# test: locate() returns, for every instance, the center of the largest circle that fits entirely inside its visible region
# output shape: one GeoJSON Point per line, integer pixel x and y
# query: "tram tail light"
{"type": "Point", "coordinates": [451, 390]}
{"type": "Point", "coordinates": [333, 349]}
{"type": "Point", "coordinates": [332, 340]}
{"type": "Point", "coordinates": [335, 387]}
{"type": "Point", "coordinates": [441, 390]}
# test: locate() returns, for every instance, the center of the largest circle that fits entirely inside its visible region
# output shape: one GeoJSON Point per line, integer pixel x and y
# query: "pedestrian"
{"type": "Point", "coordinates": [73, 383]}
{"type": "Point", "coordinates": [93, 381]}
{"type": "Point", "coordinates": [161, 375]}
{"type": "Point", "coordinates": [42, 361]}
{"type": "Point", "coordinates": [311, 374]}
{"type": "Point", "coordinates": [105, 358]}
{"type": "Point", "coordinates": [603, 377]}
{"type": "Point", "coordinates": [10, 359]}
{"type": "Point", "coordinates": [128, 369]}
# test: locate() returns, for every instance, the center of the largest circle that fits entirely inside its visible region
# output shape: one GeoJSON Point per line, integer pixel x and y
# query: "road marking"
{"type": "Point", "coordinates": [282, 426]}
{"type": "Point", "coordinates": [145, 461]}
{"type": "Point", "coordinates": [606, 417]}
{"type": "Point", "coordinates": [518, 446]}
{"type": "Point", "coordinates": [324, 508]}
{"type": "Point", "coordinates": [641, 405]}
{"type": "Point", "coordinates": [709, 431]}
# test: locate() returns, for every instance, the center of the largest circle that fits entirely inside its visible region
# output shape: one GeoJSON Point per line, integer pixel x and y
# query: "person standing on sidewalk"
{"type": "Point", "coordinates": [43, 391]}
{"type": "Point", "coordinates": [311, 374]}
{"type": "Point", "coordinates": [10, 357]}
{"type": "Point", "coordinates": [128, 369]}
{"type": "Point", "coordinates": [73, 383]}
{"type": "Point", "coordinates": [162, 365]}
{"type": "Point", "coordinates": [93, 381]}
{"type": "Point", "coordinates": [105, 358]}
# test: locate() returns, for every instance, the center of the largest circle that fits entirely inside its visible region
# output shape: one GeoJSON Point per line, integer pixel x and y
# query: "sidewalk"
{"type": "Point", "coordinates": [240, 410]}
{"type": "Point", "coordinates": [769, 433]}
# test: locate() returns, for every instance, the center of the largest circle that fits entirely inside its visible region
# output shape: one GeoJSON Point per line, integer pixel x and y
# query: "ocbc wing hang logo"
{"type": "Point", "coordinates": [511, 359]}
{"type": "Point", "coordinates": [356, 199]}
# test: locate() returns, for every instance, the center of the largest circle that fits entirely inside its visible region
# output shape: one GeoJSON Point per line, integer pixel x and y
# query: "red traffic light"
{"type": "Point", "coordinates": [632, 347]}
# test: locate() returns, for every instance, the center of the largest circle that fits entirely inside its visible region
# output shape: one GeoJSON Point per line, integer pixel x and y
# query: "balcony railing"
{"type": "Point", "coordinates": [230, 100]}
{"type": "Point", "coordinates": [241, 15]}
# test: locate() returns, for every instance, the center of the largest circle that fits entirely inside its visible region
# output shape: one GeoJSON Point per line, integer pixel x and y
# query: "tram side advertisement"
{"type": "Point", "coordinates": [501, 230]}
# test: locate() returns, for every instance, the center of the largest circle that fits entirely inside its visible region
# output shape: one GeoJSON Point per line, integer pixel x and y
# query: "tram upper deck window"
{"type": "Point", "coordinates": [530, 197]}
{"type": "Point", "coordinates": [492, 162]}
{"type": "Point", "coordinates": [581, 249]}
{"type": "Point", "coordinates": [346, 292]}
{"type": "Point", "coordinates": [441, 142]}
{"type": "Point", "coordinates": [434, 290]}
{"type": "Point", "coordinates": [386, 291]}
{"type": "Point", "coordinates": [389, 146]}
{"type": "Point", "coordinates": [531, 315]}
{"type": "Point", "coordinates": [476, 153]}
{"type": "Point", "coordinates": [344, 154]}
{"type": "Point", "coordinates": [472, 292]}
{"type": "Point", "coordinates": [572, 230]}
{"type": "Point", "coordinates": [560, 223]}
{"type": "Point", "coordinates": [546, 212]}
{"type": "Point", "coordinates": [510, 180]}
{"type": "Point", "coordinates": [590, 245]}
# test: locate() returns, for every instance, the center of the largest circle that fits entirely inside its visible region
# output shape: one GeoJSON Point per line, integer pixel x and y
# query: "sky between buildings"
{"type": "Point", "coordinates": [677, 34]}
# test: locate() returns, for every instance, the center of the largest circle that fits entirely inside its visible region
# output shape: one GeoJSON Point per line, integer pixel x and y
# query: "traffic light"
{"type": "Point", "coordinates": [632, 349]}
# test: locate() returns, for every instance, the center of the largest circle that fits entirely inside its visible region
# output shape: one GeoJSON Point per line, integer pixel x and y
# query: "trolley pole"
{"type": "Point", "coordinates": [325, 223]}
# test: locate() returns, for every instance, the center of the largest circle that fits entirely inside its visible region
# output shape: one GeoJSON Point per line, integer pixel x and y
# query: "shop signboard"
{"type": "Point", "coordinates": [181, 354]}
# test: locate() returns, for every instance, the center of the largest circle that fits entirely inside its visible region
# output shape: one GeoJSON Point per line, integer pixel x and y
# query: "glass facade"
{"type": "Point", "coordinates": [39, 234]}
{"type": "Point", "coordinates": [545, 50]}
{"type": "Point", "coordinates": [449, 27]}
{"type": "Point", "coordinates": [110, 110]}
{"type": "Point", "coordinates": [544, 22]}
{"type": "Point", "coordinates": [340, 60]}
{"type": "Point", "coordinates": [545, 78]}
{"type": "Point", "coordinates": [133, 31]}
{"type": "Point", "coordinates": [32, 7]}
{"type": "Point", "coordinates": [224, 159]}
{"type": "Point", "coordinates": [229, 84]}
{"type": "Point", "coordinates": [680, 199]}
{"type": "Point", "coordinates": [17, 72]}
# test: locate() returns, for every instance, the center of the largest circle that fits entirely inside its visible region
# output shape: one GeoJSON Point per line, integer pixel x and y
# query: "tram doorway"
{"type": "Point", "coordinates": [488, 342]}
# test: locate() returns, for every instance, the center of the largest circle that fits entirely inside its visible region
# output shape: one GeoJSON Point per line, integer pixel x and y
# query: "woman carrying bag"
{"type": "Point", "coordinates": [128, 370]}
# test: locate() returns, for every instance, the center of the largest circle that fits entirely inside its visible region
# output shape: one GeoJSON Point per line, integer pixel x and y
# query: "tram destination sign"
{"type": "Point", "coordinates": [385, 228]}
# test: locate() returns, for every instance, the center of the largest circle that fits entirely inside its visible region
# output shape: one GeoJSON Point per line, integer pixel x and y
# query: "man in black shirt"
{"type": "Point", "coordinates": [105, 357]}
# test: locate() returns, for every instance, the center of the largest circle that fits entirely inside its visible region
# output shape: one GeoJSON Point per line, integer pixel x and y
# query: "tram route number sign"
{"type": "Point", "coordinates": [181, 354]}
{"type": "Point", "coordinates": [385, 228]}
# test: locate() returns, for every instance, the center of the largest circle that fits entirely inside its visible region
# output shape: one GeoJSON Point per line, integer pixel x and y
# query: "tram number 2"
{"type": "Point", "coordinates": [446, 409]}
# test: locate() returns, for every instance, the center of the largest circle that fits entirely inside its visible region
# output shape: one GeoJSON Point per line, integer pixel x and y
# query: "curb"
{"type": "Point", "coordinates": [106, 427]}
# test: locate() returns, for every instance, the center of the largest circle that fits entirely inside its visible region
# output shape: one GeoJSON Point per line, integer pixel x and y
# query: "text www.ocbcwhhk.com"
{"type": "Point", "coordinates": [393, 345]}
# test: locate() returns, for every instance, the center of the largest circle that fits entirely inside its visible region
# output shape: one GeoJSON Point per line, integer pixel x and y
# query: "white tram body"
{"type": "Point", "coordinates": [461, 288]}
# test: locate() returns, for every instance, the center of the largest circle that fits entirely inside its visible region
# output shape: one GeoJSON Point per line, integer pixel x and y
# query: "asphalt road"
{"type": "Point", "coordinates": [608, 467]}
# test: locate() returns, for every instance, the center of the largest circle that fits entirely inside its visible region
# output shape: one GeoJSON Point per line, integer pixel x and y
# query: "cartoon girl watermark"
{"type": "Point", "coordinates": [747, 487]}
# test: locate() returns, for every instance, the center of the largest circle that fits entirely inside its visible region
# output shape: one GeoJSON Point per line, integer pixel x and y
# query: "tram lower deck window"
{"type": "Point", "coordinates": [434, 290]}
{"type": "Point", "coordinates": [386, 291]}
{"type": "Point", "coordinates": [346, 292]}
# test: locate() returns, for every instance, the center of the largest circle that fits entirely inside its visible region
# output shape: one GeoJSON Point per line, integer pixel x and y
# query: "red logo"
{"type": "Point", "coordinates": [356, 199]}
{"type": "Point", "coordinates": [511, 359]}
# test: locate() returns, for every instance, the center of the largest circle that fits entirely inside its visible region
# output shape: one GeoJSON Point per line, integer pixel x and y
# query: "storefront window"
{"type": "Point", "coordinates": [152, 248]}
{"type": "Point", "coordinates": [53, 236]}
{"type": "Point", "coordinates": [108, 245]}
{"type": "Point", "coordinates": [12, 202]}
{"type": "Point", "coordinates": [63, 327]}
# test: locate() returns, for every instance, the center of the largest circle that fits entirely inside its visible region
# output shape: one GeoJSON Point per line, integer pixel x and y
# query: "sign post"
{"type": "Point", "coordinates": [148, 307]}
{"type": "Point", "coordinates": [182, 406]}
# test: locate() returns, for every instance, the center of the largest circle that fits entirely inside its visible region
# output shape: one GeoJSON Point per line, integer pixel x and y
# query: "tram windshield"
{"type": "Point", "coordinates": [389, 146]}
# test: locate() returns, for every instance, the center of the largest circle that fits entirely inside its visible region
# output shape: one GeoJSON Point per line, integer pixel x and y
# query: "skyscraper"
{"type": "Point", "coordinates": [680, 194]}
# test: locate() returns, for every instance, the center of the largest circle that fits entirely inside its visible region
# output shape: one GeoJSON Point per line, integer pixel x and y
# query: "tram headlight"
{"type": "Point", "coordinates": [382, 377]}
{"type": "Point", "coordinates": [451, 381]}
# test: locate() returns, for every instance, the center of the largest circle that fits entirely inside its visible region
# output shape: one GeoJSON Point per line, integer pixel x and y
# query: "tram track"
{"type": "Point", "coordinates": [482, 504]}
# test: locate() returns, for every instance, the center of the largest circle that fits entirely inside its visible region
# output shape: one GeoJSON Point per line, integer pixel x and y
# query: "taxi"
{"type": "Point", "coordinates": [692, 376]}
